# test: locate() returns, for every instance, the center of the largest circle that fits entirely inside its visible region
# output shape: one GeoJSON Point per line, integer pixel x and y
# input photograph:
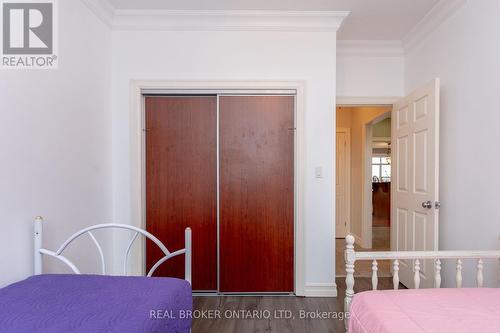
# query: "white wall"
{"type": "Point", "coordinates": [55, 145]}
{"type": "Point", "coordinates": [370, 75]}
{"type": "Point", "coordinates": [464, 52]}
{"type": "Point", "coordinates": [240, 55]}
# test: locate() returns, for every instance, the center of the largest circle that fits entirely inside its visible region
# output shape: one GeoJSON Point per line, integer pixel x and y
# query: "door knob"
{"type": "Point", "coordinates": [427, 204]}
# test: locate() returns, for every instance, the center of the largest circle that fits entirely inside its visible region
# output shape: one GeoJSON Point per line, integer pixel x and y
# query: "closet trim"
{"type": "Point", "coordinates": [140, 88]}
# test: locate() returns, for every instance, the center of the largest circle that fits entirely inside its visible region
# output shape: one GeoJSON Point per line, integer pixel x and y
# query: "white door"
{"type": "Point", "coordinates": [342, 196]}
{"type": "Point", "coordinates": [415, 175]}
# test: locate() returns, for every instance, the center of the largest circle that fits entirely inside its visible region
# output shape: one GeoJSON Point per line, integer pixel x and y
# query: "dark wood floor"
{"type": "Point", "coordinates": [228, 306]}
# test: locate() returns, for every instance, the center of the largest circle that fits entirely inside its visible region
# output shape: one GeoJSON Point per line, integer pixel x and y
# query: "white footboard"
{"type": "Point", "coordinates": [39, 251]}
{"type": "Point", "coordinates": [352, 256]}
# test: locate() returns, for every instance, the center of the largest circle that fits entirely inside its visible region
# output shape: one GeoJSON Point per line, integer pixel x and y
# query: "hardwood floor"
{"type": "Point", "coordinates": [381, 238]}
{"type": "Point", "coordinates": [257, 320]}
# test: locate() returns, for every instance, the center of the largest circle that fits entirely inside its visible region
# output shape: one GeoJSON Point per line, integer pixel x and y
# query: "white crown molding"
{"type": "Point", "coordinates": [102, 9]}
{"type": "Point", "coordinates": [222, 20]}
{"type": "Point", "coordinates": [431, 21]}
{"type": "Point", "coordinates": [370, 48]}
{"type": "Point", "coordinates": [215, 20]}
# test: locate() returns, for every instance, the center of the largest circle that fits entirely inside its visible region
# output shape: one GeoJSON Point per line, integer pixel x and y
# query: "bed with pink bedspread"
{"type": "Point", "coordinates": [426, 310]}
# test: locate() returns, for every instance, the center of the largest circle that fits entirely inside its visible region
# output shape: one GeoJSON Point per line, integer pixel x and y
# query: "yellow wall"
{"type": "Point", "coordinates": [343, 117]}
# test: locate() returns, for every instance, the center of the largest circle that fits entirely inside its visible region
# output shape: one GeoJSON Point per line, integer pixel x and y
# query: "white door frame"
{"type": "Point", "coordinates": [347, 132]}
{"type": "Point", "coordinates": [367, 101]}
{"type": "Point", "coordinates": [137, 140]}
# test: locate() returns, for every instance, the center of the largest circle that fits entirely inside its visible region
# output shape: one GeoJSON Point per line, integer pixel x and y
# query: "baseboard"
{"type": "Point", "coordinates": [357, 239]}
{"type": "Point", "coordinates": [320, 290]}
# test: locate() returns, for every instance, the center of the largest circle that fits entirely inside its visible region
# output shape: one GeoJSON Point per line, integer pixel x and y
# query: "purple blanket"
{"type": "Point", "coordinates": [95, 304]}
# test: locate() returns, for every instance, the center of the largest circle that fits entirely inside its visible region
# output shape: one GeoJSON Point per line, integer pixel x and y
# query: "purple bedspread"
{"type": "Point", "coordinates": [95, 304]}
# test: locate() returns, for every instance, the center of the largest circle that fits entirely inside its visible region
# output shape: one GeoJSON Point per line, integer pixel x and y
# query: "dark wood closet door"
{"type": "Point", "coordinates": [256, 193]}
{"type": "Point", "coordinates": [181, 180]}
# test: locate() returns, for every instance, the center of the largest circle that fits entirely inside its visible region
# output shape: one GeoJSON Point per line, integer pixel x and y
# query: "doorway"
{"type": "Point", "coordinates": [413, 170]}
{"type": "Point", "coordinates": [223, 164]}
{"type": "Point", "coordinates": [365, 155]}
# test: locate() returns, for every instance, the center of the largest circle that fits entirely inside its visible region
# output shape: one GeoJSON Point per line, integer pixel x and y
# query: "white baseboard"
{"type": "Point", "coordinates": [357, 239]}
{"type": "Point", "coordinates": [320, 290]}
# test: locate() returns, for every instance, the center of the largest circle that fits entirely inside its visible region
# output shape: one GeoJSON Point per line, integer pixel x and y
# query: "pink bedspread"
{"type": "Point", "coordinates": [426, 310]}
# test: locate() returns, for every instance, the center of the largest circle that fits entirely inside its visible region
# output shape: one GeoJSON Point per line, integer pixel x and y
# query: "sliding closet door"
{"type": "Point", "coordinates": [256, 193]}
{"type": "Point", "coordinates": [181, 183]}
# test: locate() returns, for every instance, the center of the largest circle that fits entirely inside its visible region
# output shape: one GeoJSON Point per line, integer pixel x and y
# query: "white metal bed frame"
{"type": "Point", "coordinates": [39, 251]}
{"type": "Point", "coordinates": [352, 256]}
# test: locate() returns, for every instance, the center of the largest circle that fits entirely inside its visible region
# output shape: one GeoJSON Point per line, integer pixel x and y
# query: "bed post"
{"type": "Point", "coordinates": [350, 258]}
{"type": "Point", "coordinates": [188, 255]}
{"type": "Point", "coordinates": [37, 263]}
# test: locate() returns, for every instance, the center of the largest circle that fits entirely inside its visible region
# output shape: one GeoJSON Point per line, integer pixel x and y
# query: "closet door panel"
{"type": "Point", "coordinates": [256, 156]}
{"type": "Point", "coordinates": [181, 184]}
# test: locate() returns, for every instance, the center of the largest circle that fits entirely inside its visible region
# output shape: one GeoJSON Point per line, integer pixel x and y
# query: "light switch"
{"type": "Point", "coordinates": [318, 172]}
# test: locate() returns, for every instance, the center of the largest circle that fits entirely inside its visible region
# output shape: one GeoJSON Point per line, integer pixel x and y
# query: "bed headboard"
{"type": "Point", "coordinates": [39, 251]}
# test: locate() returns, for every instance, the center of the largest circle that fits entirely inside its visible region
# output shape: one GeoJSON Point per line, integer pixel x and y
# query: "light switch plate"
{"type": "Point", "coordinates": [318, 172]}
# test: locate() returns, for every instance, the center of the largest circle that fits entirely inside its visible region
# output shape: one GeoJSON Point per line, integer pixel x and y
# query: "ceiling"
{"type": "Point", "coordinates": [369, 19]}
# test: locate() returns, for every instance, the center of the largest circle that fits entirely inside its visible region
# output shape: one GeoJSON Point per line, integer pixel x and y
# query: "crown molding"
{"type": "Point", "coordinates": [431, 21]}
{"type": "Point", "coordinates": [224, 20]}
{"type": "Point", "coordinates": [215, 20]}
{"type": "Point", "coordinates": [102, 9]}
{"type": "Point", "coordinates": [370, 48]}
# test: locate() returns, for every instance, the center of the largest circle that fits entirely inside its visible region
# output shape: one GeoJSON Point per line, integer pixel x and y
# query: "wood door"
{"type": "Point", "coordinates": [181, 180]}
{"type": "Point", "coordinates": [415, 186]}
{"type": "Point", "coordinates": [256, 213]}
{"type": "Point", "coordinates": [381, 203]}
{"type": "Point", "coordinates": [342, 181]}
